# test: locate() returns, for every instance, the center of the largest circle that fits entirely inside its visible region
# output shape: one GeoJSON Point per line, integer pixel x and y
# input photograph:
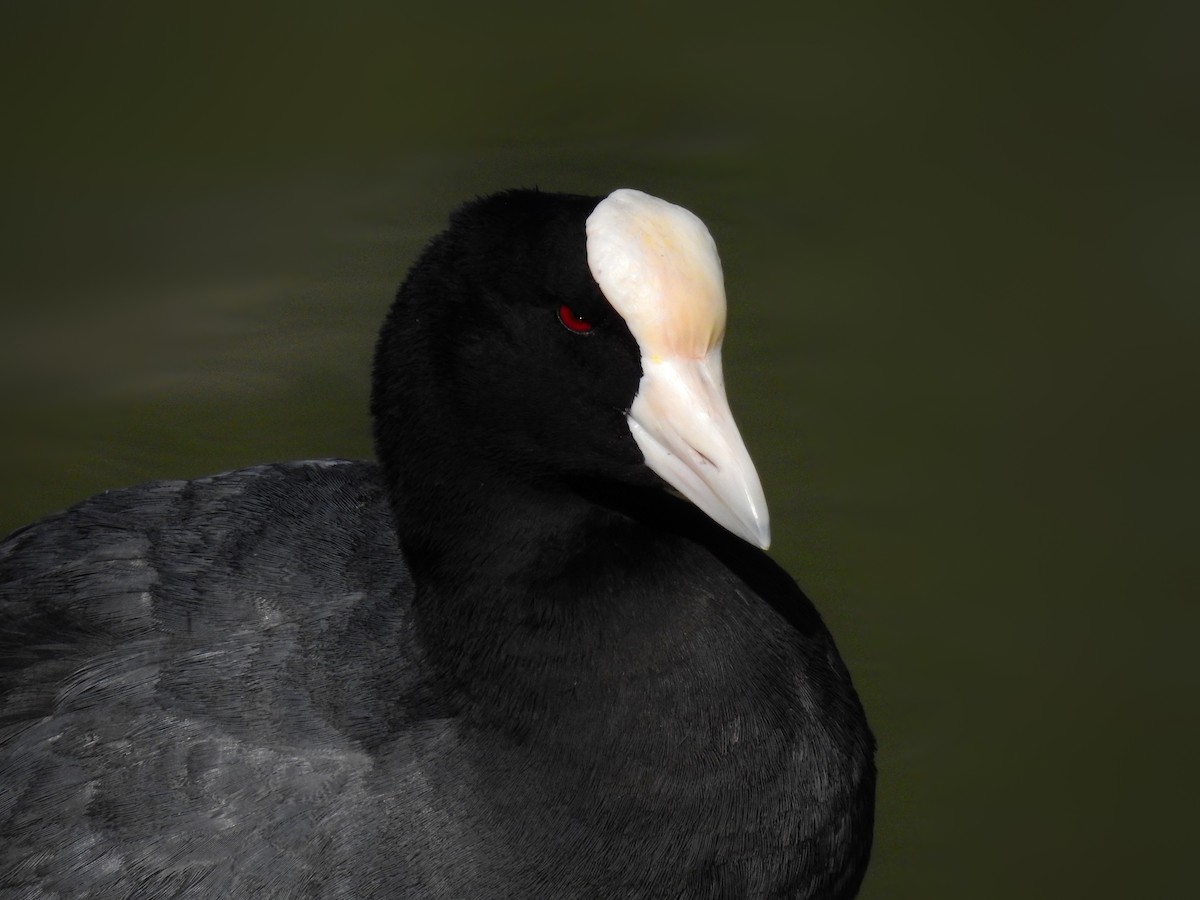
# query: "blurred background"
{"type": "Point", "coordinates": [961, 251]}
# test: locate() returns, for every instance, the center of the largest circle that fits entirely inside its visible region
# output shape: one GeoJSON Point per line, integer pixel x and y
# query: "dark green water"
{"type": "Point", "coordinates": [961, 256]}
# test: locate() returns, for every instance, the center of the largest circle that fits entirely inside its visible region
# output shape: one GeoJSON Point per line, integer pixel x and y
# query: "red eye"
{"type": "Point", "coordinates": [572, 322]}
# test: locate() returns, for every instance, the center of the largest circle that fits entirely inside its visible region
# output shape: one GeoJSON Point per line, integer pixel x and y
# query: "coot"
{"type": "Point", "coordinates": [504, 661]}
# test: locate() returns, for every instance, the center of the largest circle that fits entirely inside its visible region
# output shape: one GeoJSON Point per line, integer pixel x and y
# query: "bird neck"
{"type": "Point", "coordinates": [487, 533]}
{"type": "Point", "coordinates": [509, 572]}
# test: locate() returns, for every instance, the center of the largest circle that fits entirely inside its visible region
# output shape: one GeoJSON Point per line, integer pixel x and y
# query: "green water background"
{"type": "Point", "coordinates": [960, 244]}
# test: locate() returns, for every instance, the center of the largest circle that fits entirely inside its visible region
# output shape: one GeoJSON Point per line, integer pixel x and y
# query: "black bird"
{"type": "Point", "coordinates": [505, 661]}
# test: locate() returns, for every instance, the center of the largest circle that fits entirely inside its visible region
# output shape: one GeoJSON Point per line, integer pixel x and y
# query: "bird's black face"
{"type": "Point", "coordinates": [503, 350]}
{"type": "Point", "coordinates": [543, 370]}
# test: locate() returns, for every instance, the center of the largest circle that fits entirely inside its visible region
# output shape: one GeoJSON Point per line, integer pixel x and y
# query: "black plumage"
{"type": "Point", "coordinates": [503, 662]}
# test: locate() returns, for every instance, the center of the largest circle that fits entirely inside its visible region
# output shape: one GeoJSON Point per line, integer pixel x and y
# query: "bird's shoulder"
{"type": "Point", "coordinates": [127, 619]}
